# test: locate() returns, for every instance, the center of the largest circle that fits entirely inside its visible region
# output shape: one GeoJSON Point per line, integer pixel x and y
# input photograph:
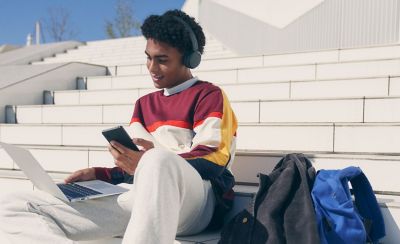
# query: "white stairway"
{"type": "Point", "coordinates": [121, 51]}
{"type": "Point", "coordinates": [339, 107]}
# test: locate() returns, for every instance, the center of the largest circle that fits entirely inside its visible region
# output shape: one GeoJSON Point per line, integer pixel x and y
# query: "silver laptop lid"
{"type": "Point", "coordinates": [33, 170]}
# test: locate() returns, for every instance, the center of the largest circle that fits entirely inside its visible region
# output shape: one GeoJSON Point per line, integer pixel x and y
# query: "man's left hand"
{"type": "Point", "coordinates": [124, 157]}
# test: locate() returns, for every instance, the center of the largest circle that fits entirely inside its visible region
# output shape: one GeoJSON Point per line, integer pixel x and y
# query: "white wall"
{"type": "Point", "coordinates": [276, 13]}
{"type": "Point", "coordinates": [285, 26]}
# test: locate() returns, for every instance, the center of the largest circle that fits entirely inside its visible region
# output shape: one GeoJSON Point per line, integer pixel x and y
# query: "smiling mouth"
{"type": "Point", "coordinates": [157, 78]}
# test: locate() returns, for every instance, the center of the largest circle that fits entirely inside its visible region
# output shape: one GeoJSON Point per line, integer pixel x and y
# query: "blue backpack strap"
{"type": "Point", "coordinates": [368, 206]}
{"type": "Point", "coordinates": [337, 221]}
{"type": "Point", "coordinates": [336, 184]}
{"type": "Point", "coordinates": [344, 176]}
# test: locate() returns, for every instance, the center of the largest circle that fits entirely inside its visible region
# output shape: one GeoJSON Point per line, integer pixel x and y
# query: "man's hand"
{"type": "Point", "coordinates": [146, 145]}
{"type": "Point", "coordinates": [126, 158]}
{"type": "Point", "coordinates": [81, 175]}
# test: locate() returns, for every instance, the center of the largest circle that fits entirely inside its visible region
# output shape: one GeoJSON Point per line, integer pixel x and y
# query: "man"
{"type": "Point", "coordinates": [187, 132]}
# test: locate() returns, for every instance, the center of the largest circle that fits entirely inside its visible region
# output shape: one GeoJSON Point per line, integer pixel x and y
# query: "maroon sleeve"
{"type": "Point", "coordinates": [103, 174]}
{"type": "Point", "coordinates": [111, 175]}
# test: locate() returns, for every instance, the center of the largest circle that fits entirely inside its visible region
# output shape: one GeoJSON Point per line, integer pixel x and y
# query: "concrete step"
{"type": "Point", "coordinates": [383, 109]}
{"type": "Point", "coordinates": [318, 57]}
{"type": "Point", "coordinates": [138, 40]}
{"type": "Point", "coordinates": [95, 97]}
{"type": "Point", "coordinates": [390, 207]}
{"type": "Point", "coordinates": [331, 56]}
{"type": "Point", "coordinates": [315, 57]}
{"type": "Point", "coordinates": [12, 181]}
{"type": "Point", "coordinates": [283, 111]}
{"type": "Point", "coordinates": [339, 88]}
{"type": "Point", "coordinates": [63, 159]}
{"type": "Point", "coordinates": [240, 62]}
{"type": "Point", "coordinates": [247, 164]}
{"type": "Point", "coordinates": [324, 72]}
{"type": "Point", "coordinates": [126, 70]}
{"type": "Point", "coordinates": [321, 71]}
{"type": "Point", "coordinates": [145, 81]}
{"type": "Point", "coordinates": [217, 52]}
{"type": "Point", "coordinates": [229, 76]}
{"type": "Point", "coordinates": [74, 114]}
{"type": "Point", "coordinates": [96, 59]}
{"type": "Point", "coordinates": [337, 137]}
{"type": "Point", "coordinates": [125, 52]}
{"type": "Point", "coordinates": [57, 135]}
{"type": "Point", "coordinates": [319, 137]}
{"type": "Point", "coordinates": [368, 87]}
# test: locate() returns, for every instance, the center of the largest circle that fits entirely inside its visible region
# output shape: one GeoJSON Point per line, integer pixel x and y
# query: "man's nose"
{"type": "Point", "coordinates": [152, 66]}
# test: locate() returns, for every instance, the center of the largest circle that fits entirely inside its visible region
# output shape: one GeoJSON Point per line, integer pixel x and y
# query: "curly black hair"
{"type": "Point", "coordinates": [165, 28]}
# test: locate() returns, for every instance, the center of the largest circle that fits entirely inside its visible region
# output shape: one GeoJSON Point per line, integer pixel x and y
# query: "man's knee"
{"type": "Point", "coordinates": [159, 160]}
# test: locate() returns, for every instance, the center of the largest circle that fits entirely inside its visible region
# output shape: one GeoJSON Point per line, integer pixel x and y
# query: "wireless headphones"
{"type": "Point", "coordinates": [190, 59]}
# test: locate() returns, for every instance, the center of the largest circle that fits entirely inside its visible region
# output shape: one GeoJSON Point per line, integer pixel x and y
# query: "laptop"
{"type": "Point", "coordinates": [71, 192]}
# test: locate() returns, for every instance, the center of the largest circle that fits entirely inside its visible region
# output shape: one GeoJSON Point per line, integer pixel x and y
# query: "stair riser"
{"type": "Point", "coordinates": [308, 111]}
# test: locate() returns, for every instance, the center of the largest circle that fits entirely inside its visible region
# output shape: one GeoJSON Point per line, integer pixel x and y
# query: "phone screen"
{"type": "Point", "coordinates": [120, 135]}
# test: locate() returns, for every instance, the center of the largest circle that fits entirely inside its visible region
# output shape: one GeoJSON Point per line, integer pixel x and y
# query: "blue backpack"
{"type": "Point", "coordinates": [338, 220]}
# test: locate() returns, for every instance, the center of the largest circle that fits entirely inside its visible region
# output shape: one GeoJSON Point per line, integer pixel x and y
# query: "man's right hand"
{"type": "Point", "coordinates": [81, 175]}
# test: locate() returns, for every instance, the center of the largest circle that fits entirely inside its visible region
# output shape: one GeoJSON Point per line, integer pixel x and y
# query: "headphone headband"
{"type": "Point", "coordinates": [193, 58]}
{"type": "Point", "coordinates": [193, 39]}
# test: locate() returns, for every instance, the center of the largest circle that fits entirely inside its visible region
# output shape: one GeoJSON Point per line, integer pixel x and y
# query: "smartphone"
{"type": "Point", "coordinates": [120, 135]}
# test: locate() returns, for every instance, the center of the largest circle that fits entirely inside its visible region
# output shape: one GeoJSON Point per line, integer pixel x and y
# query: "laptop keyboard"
{"type": "Point", "coordinates": [76, 191]}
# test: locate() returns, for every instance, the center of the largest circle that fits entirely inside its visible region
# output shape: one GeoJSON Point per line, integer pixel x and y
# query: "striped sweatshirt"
{"type": "Point", "coordinates": [194, 120]}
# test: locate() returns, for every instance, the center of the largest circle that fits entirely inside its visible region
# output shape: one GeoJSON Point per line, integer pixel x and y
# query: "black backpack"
{"type": "Point", "coordinates": [282, 210]}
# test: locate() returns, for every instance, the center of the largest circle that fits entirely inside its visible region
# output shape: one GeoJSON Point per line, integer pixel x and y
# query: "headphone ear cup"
{"type": "Point", "coordinates": [192, 60]}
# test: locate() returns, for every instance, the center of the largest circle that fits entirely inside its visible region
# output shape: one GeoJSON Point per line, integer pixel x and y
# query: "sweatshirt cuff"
{"type": "Point", "coordinates": [103, 174]}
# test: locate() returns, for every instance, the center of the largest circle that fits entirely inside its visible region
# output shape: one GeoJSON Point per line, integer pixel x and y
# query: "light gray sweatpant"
{"type": "Point", "coordinates": [168, 197]}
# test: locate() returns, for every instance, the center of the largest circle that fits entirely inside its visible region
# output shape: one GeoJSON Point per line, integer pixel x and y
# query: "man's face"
{"type": "Point", "coordinates": [165, 65]}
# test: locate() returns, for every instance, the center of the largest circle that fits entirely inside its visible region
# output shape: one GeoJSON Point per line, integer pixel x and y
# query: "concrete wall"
{"type": "Point", "coordinates": [24, 84]}
{"type": "Point", "coordinates": [27, 55]}
{"type": "Point", "coordinates": [331, 24]}
{"type": "Point", "coordinates": [6, 48]}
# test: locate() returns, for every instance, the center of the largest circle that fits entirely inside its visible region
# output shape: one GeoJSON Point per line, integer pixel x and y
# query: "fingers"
{"type": "Point", "coordinates": [118, 155]}
{"type": "Point", "coordinates": [114, 152]}
{"type": "Point", "coordinates": [126, 164]}
{"type": "Point", "coordinates": [81, 175]}
{"type": "Point", "coordinates": [147, 145]}
{"type": "Point", "coordinates": [69, 179]}
{"type": "Point", "coordinates": [128, 160]}
{"type": "Point", "coordinates": [73, 177]}
{"type": "Point", "coordinates": [119, 147]}
{"type": "Point", "coordinates": [120, 159]}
